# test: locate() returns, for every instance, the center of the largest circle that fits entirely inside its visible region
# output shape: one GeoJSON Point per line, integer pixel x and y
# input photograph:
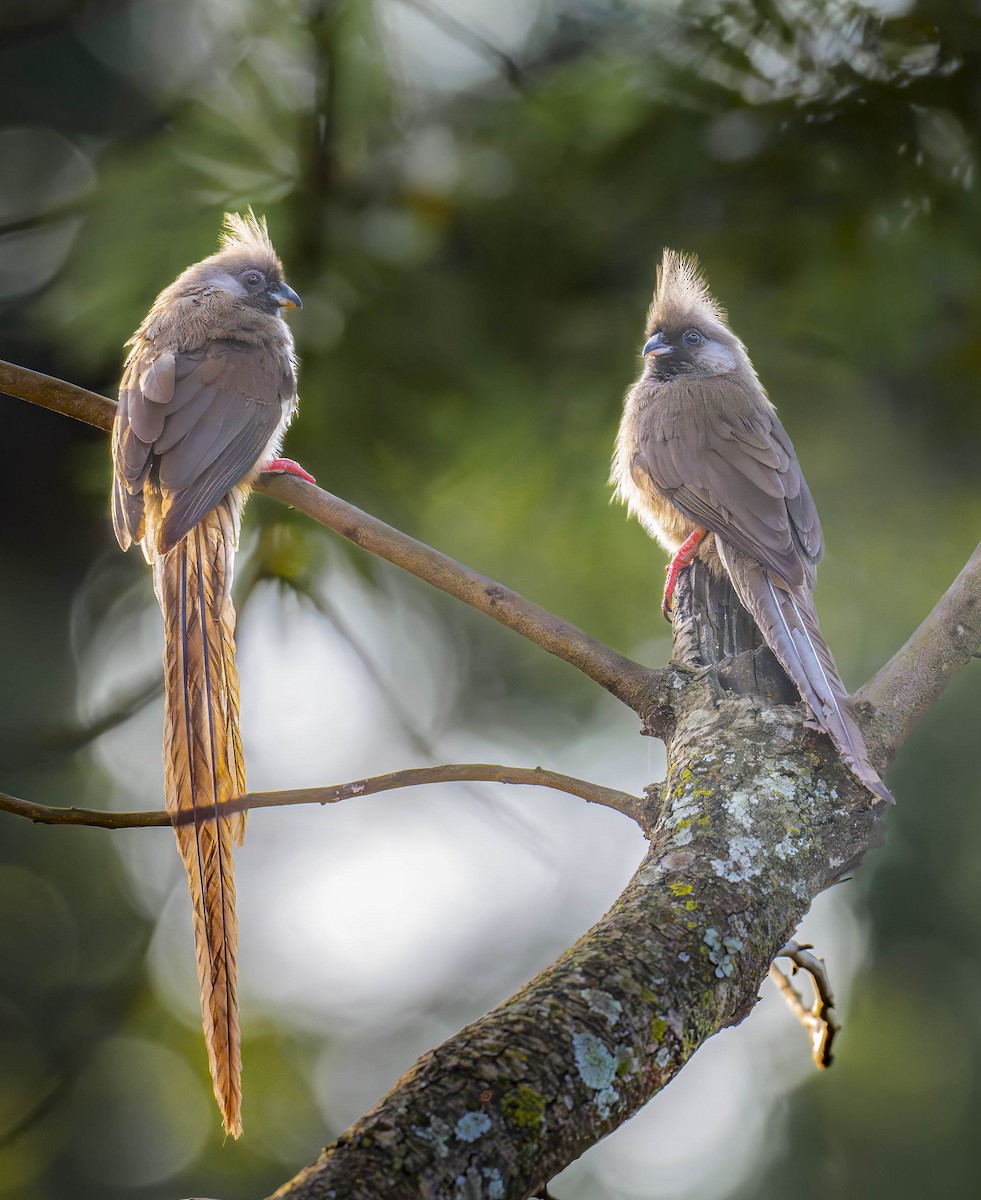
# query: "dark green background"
{"type": "Point", "coordinates": [476, 251]}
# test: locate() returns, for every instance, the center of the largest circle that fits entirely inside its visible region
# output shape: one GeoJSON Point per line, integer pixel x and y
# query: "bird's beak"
{"type": "Point", "coordinates": [285, 297]}
{"type": "Point", "coordinates": [657, 347]}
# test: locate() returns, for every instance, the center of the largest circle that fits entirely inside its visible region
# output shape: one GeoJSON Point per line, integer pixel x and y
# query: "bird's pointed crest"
{"type": "Point", "coordinates": [247, 232]}
{"type": "Point", "coordinates": [681, 296]}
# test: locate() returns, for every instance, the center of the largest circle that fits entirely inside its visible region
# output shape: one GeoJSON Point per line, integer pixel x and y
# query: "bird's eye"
{"type": "Point", "coordinates": [253, 278]}
{"type": "Point", "coordinates": [693, 337]}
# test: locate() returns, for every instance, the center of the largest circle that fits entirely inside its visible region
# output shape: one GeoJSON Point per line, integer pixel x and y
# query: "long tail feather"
{"type": "Point", "coordinates": [204, 767]}
{"type": "Point", "coordinates": [788, 622]}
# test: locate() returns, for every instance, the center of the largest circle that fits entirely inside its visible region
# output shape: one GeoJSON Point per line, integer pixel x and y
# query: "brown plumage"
{"type": "Point", "coordinates": [701, 448]}
{"type": "Point", "coordinates": [207, 392]}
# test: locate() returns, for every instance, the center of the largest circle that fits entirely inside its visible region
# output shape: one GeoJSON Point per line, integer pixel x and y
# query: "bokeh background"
{"type": "Point", "coordinates": [470, 196]}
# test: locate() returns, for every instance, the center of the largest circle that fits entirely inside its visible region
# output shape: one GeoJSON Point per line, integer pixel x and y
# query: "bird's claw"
{"type": "Point", "coordinates": [683, 558]}
{"type": "Point", "coordinates": [286, 466]}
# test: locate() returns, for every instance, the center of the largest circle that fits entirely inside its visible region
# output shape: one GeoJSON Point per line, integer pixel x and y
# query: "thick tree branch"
{"type": "Point", "coordinates": [629, 681]}
{"type": "Point", "coordinates": [758, 815]}
{"type": "Point", "coordinates": [594, 793]}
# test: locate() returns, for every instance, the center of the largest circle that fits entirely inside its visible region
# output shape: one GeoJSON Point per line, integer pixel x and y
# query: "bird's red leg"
{"type": "Point", "coordinates": [286, 466]}
{"type": "Point", "coordinates": [683, 558]}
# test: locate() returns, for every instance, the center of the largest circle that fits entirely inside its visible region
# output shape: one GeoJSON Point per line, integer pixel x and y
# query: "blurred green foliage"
{"type": "Point", "coordinates": [470, 200]}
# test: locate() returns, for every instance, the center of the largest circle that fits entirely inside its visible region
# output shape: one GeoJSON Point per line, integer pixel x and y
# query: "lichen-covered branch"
{"type": "Point", "coordinates": [593, 793]}
{"type": "Point", "coordinates": [629, 681]}
{"type": "Point", "coordinates": [757, 817]}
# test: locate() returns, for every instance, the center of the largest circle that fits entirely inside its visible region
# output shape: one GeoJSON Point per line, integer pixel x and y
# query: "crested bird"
{"type": "Point", "coordinates": [207, 392]}
{"type": "Point", "coordinates": [704, 463]}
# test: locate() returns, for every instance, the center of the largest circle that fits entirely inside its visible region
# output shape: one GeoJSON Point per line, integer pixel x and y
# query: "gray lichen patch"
{"type": "Point", "coordinates": [650, 875]}
{"type": "Point", "coordinates": [603, 1004]}
{"type": "Point", "coordinates": [740, 807]}
{"type": "Point", "coordinates": [594, 1062]}
{"type": "Point", "coordinates": [790, 845]}
{"type": "Point", "coordinates": [746, 860]}
{"type": "Point", "coordinates": [437, 1132]}
{"type": "Point", "coordinates": [479, 1183]}
{"type": "Point", "coordinates": [471, 1126]}
{"type": "Point", "coordinates": [597, 1068]}
{"type": "Point", "coordinates": [721, 951]}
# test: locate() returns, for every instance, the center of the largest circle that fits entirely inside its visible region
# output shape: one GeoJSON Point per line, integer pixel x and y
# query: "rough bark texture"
{"type": "Point", "coordinates": [756, 816]}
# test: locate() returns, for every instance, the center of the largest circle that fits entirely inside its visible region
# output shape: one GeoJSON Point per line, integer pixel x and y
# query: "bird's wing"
{"type": "Point", "coordinates": [196, 423]}
{"type": "Point", "coordinates": [737, 476]}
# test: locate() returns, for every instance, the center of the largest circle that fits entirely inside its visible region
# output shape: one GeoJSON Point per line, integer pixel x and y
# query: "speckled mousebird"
{"type": "Point", "coordinates": [704, 463]}
{"type": "Point", "coordinates": [208, 390]}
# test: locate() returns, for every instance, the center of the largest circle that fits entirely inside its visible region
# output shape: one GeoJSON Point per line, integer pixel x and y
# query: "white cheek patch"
{"type": "Point", "coordinates": [716, 359]}
{"type": "Point", "coordinates": [217, 278]}
{"type": "Point", "coordinates": [230, 284]}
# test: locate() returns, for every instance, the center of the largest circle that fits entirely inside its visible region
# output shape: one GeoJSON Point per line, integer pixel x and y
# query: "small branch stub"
{"type": "Point", "coordinates": [819, 1018]}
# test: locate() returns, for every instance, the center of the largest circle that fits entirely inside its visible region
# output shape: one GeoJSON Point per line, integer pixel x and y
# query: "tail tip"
{"type": "Point", "coordinates": [232, 1122]}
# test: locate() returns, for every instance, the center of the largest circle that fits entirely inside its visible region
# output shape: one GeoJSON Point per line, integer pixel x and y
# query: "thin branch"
{"type": "Point", "coordinates": [914, 677]}
{"type": "Point", "coordinates": [629, 681]}
{"type": "Point", "coordinates": [57, 395]}
{"type": "Point", "coordinates": [594, 793]}
{"type": "Point", "coordinates": [819, 1018]}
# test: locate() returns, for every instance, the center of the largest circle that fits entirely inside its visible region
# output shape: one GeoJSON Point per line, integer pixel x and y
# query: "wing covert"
{"type": "Point", "coordinates": [739, 478]}
{"type": "Point", "coordinates": [193, 425]}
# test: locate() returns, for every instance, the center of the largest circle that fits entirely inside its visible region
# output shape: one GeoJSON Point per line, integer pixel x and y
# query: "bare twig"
{"type": "Point", "coordinates": [629, 681]}
{"type": "Point", "coordinates": [594, 793]}
{"type": "Point", "coordinates": [819, 1019]}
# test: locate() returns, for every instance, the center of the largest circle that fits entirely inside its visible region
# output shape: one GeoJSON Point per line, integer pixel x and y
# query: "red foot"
{"type": "Point", "coordinates": [286, 466]}
{"type": "Point", "coordinates": [684, 557]}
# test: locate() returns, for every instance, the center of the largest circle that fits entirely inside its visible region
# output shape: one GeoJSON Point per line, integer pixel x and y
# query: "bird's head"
{"type": "Point", "coordinates": [686, 328]}
{"type": "Point", "coordinates": [246, 273]}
